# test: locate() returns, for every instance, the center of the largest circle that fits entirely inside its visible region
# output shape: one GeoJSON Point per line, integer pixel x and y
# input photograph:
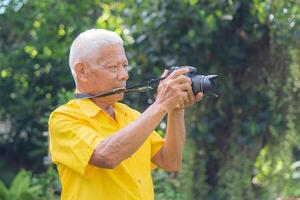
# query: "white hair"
{"type": "Point", "coordinates": [86, 46]}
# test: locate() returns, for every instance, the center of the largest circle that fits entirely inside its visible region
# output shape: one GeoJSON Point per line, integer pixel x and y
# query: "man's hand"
{"type": "Point", "coordinates": [192, 99]}
{"type": "Point", "coordinates": [173, 92]}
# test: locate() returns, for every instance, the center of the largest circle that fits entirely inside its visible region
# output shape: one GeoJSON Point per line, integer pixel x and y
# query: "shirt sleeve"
{"type": "Point", "coordinates": [157, 143]}
{"type": "Point", "coordinates": [72, 142]}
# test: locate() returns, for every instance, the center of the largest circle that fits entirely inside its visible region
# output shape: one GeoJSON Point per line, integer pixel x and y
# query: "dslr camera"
{"type": "Point", "coordinates": [200, 83]}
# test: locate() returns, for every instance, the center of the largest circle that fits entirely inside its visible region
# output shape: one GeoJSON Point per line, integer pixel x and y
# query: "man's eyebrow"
{"type": "Point", "coordinates": [114, 62]}
{"type": "Point", "coordinates": [125, 61]}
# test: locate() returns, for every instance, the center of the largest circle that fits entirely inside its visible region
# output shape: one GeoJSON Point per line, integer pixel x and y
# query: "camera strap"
{"type": "Point", "coordinates": [143, 87]}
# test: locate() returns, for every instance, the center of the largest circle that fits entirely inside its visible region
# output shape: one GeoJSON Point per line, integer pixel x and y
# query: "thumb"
{"type": "Point", "coordinates": [165, 73]}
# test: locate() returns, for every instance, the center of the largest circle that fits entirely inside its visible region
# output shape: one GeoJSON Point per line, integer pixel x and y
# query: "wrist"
{"type": "Point", "coordinates": [177, 112]}
{"type": "Point", "coordinates": [159, 107]}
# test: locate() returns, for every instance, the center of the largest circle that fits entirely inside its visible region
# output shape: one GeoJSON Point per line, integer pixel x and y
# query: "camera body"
{"type": "Point", "coordinates": [200, 83]}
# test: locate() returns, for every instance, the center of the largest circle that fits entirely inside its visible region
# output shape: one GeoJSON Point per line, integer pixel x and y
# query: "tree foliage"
{"type": "Point", "coordinates": [243, 145]}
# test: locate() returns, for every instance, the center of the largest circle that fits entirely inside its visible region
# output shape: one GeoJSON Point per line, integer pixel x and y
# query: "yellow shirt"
{"type": "Point", "coordinates": [75, 129]}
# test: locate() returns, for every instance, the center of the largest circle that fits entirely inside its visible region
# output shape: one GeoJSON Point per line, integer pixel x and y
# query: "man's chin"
{"type": "Point", "coordinates": [119, 97]}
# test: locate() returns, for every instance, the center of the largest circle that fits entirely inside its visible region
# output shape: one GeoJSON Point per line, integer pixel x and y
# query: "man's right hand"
{"type": "Point", "coordinates": [173, 91]}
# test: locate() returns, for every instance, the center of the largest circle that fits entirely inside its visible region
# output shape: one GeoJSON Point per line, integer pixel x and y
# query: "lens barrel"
{"type": "Point", "coordinates": [200, 83]}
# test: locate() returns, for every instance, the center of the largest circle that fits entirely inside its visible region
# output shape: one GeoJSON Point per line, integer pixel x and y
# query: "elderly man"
{"type": "Point", "coordinates": [104, 149]}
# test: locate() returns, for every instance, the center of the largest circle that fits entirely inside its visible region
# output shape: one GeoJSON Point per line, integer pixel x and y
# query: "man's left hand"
{"type": "Point", "coordinates": [191, 100]}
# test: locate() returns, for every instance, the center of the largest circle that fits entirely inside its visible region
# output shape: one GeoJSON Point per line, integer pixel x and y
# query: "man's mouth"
{"type": "Point", "coordinates": [121, 86]}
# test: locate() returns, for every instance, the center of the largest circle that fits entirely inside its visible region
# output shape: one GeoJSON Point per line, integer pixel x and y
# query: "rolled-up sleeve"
{"type": "Point", "coordinates": [72, 142]}
{"type": "Point", "coordinates": [157, 143]}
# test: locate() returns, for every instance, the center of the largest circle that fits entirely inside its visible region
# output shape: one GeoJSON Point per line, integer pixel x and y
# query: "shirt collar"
{"type": "Point", "coordinates": [88, 107]}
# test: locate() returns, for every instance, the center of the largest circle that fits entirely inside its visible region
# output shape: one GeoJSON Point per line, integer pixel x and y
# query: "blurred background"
{"type": "Point", "coordinates": [243, 145]}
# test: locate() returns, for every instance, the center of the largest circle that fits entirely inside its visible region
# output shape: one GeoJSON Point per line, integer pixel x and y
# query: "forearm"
{"type": "Point", "coordinates": [125, 142]}
{"type": "Point", "coordinates": [170, 156]}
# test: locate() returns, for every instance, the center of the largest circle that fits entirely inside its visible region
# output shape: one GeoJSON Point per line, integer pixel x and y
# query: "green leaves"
{"type": "Point", "coordinates": [4, 192]}
{"type": "Point", "coordinates": [21, 188]}
{"type": "Point", "coordinates": [253, 46]}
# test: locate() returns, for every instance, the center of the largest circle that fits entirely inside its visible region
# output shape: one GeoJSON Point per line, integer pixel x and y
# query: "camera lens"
{"type": "Point", "coordinates": [204, 84]}
{"type": "Point", "coordinates": [200, 83]}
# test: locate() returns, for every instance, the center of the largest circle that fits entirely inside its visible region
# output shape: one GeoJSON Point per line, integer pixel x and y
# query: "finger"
{"type": "Point", "coordinates": [199, 96]}
{"type": "Point", "coordinates": [181, 96]}
{"type": "Point", "coordinates": [184, 96]}
{"type": "Point", "coordinates": [180, 104]}
{"type": "Point", "coordinates": [165, 73]}
{"type": "Point", "coordinates": [181, 79]}
{"type": "Point", "coordinates": [191, 95]}
{"type": "Point", "coordinates": [188, 89]}
{"type": "Point", "coordinates": [178, 72]}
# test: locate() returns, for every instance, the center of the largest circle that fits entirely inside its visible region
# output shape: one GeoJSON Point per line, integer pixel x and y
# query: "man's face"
{"type": "Point", "coordinates": [108, 71]}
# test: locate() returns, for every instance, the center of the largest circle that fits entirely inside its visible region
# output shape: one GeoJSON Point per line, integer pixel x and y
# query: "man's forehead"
{"type": "Point", "coordinates": [112, 60]}
{"type": "Point", "coordinates": [112, 48]}
{"type": "Point", "coordinates": [111, 53]}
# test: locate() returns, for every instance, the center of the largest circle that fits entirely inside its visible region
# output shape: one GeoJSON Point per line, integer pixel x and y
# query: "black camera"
{"type": "Point", "coordinates": [200, 83]}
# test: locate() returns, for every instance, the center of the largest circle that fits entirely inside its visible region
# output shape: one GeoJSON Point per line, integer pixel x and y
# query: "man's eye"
{"type": "Point", "coordinates": [112, 67]}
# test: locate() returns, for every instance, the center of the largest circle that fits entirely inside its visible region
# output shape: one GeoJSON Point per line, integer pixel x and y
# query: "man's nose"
{"type": "Point", "coordinates": [123, 74]}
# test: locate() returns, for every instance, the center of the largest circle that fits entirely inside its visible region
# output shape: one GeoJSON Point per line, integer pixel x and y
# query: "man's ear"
{"type": "Point", "coordinates": [81, 70]}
